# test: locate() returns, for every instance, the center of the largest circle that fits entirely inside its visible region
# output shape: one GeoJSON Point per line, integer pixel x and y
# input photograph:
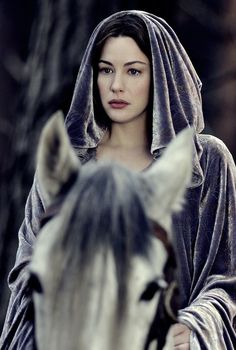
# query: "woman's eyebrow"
{"type": "Point", "coordinates": [126, 64]}
{"type": "Point", "coordinates": [106, 62]}
{"type": "Point", "coordinates": [133, 62]}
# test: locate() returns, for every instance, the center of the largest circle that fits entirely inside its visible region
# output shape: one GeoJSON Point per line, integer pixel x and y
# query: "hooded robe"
{"type": "Point", "coordinates": [205, 230]}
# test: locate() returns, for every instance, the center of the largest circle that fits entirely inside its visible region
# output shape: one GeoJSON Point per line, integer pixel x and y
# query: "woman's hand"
{"type": "Point", "coordinates": [181, 336]}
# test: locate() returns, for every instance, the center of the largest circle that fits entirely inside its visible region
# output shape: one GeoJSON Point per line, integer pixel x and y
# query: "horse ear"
{"type": "Point", "coordinates": [56, 159]}
{"type": "Point", "coordinates": [166, 181]}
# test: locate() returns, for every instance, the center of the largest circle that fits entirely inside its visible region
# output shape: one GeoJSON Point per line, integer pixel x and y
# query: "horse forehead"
{"type": "Point", "coordinates": [104, 267]}
{"type": "Point", "coordinates": [145, 268]}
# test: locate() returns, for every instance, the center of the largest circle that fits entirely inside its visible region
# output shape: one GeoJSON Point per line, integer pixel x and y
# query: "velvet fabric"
{"type": "Point", "coordinates": [205, 231]}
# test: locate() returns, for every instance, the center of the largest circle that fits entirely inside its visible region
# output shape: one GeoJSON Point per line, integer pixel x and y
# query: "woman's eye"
{"type": "Point", "coordinates": [105, 70]}
{"type": "Point", "coordinates": [133, 71]}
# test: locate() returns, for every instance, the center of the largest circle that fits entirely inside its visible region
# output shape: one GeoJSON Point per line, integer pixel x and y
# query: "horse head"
{"type": "Point", "coordinates": [99, 262]}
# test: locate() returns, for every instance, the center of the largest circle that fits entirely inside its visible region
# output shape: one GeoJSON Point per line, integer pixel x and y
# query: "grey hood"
{"type": "Point", "coordinates": [176, 96]}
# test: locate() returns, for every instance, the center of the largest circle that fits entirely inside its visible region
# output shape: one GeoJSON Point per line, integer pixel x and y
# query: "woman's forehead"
{"type": "Point", "coordinates": [122, 48]}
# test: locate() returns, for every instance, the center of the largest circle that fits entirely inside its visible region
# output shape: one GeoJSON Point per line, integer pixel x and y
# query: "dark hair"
{"type": "Point", "coordinates": [123, 24]}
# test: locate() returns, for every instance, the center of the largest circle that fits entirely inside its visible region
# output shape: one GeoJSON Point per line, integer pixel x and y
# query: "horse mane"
{"type": "Point", "coordinates": [109, 213]}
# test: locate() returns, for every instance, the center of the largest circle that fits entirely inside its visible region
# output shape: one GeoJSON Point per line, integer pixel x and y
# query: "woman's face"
{"type": "Point", "coordinates": [124, 76]}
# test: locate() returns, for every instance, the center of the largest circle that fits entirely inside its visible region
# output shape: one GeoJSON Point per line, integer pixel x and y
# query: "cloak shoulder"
{"type": "Point", "coordinates": [207, 242]}
{"type": "Point", "coordinates": [18, 330]}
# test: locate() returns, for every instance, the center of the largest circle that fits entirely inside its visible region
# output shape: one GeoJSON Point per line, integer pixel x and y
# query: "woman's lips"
{"type": "Point", "coordinates": [118, 104]}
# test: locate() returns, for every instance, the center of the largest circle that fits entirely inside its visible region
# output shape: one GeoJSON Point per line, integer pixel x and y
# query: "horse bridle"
{"type": "Point", "coordinates": [172, 287]}
{"type": "Point", "coordinates": [167, 309]}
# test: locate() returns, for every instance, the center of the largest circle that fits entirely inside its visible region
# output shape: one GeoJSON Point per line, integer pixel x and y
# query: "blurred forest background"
{"type": "Point", "coordinates": [41, 45]}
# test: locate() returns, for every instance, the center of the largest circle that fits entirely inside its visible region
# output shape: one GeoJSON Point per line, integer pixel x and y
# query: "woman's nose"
{"type": "Point", "coordinates": [117, 83]}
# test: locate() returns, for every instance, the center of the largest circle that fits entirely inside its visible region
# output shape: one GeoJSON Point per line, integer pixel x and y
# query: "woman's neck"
{"type": "Point", "coordinates": [127, 144]}
{"type": "Point", "coordinates": [128, 135]}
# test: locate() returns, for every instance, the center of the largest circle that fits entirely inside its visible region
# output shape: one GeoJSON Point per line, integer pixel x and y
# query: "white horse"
{"type": "Point", "coordinates": [98, 267]}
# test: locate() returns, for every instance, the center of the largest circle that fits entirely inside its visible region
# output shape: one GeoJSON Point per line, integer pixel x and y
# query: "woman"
{"type": "Point", "coordinates": [136, 89]}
